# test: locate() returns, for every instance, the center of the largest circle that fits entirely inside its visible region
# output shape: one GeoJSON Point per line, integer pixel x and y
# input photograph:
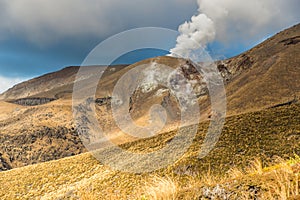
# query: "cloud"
{"type": "Point", "coordinates": [6, 83]}
{"type": "Point", "coordinates": [237, 20]}
{"type": "Point", "coordinates": [45, 22]}
{"type": "Point", "coordinates": [234, 21]}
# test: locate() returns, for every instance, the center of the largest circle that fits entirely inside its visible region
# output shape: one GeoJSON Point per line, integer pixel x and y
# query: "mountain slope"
{"type": "Point", "coordinates": [266, 76]}
{"type": "Point", "coordinates": [52, 85]}
{"type": "Point", "coordinates": [262, 135]}
{"type": "Point", "coordinates": [268, 72]}
{"type": "Point", "coordinates": [39, 84]}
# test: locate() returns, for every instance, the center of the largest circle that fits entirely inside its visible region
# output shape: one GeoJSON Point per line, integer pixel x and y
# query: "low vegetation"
{"type": "Point", "coordinates": [278, 181]}
{"type": "Point", "coordinates": [84, 178]}
{"type": "Point", "coordinates": [255, 139]}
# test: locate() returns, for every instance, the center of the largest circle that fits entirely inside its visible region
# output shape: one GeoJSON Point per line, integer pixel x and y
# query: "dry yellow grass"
{"type": "Point", "coordinates": [7, 109]}
{"type": "Point", "coordinates": [277, 182]}
{"type": "Point", "coordinates": [82, 177]}
{"type": "Point", "coordinates": [160, 188]}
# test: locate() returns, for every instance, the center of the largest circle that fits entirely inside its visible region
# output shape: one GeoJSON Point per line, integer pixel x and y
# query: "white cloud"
{"type": "Point", "coordinates": [237, 20]}
{"type": "Point", "coordinates": [6, 83]}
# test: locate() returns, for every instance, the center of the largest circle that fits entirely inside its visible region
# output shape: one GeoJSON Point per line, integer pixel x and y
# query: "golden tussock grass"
{"type": "Point", "coordinates": [277, 182]}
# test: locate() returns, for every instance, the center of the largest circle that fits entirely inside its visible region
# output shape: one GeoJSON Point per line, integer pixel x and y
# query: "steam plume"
{"type": "Point", "coordinates": [194, 35]}
{"type": "Point", "coordinates": [234, 21]}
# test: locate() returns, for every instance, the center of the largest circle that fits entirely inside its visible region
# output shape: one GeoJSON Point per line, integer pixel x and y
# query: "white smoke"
{"type": "Point", "coordinates": [194, 35]}
{"type": "Point", "coordinates": [229, 21]}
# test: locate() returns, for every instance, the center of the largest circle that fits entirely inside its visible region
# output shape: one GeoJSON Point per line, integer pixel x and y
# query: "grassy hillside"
{"type": "Point", "coordinates": [262, 126]}
{"type": "Point", "coordinates": [260, 78]}
{"type": "Point", "coordinates": [258, 136]}
{"type": "Point", "coordinates": [266, 74]}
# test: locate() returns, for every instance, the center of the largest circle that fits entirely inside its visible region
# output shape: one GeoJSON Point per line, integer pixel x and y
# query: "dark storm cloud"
{"type": "Point", "coordinates": [44, 22]}
{"type": "Point", "coordinates": [39, 36]}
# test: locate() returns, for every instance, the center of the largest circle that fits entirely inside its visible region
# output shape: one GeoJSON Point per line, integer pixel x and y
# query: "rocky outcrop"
{"type": "Point", "coordinates": [103, 101]}
{"type": "Point", "coordinates": [291, 41]}
{"type": "Point", "coordinates": [232, 67]}
{"type": "Point", "coordinates": [36, 146]}
{"type": "Point", "coordinates": [32, 101]}
{"type": "Point", "coordinates": [4, 165]}
{"type": "Point", "coordinates": [167, 88]}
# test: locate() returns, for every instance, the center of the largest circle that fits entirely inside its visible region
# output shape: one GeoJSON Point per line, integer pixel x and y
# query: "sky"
{"type": "Point", "coordinates": [41, 36]}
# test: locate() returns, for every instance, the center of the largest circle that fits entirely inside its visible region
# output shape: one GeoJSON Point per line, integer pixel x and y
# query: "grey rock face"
{"type": "Point", "coordinates": [32, 101]}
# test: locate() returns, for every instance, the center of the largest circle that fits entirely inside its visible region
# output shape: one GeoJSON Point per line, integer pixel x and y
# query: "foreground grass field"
{"type": "Point", "coordinates": [244, 165]}
{"type": "Point", "coordinates": [63, 180]}
{"type": "Point", "coordinates": [280, 181]}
